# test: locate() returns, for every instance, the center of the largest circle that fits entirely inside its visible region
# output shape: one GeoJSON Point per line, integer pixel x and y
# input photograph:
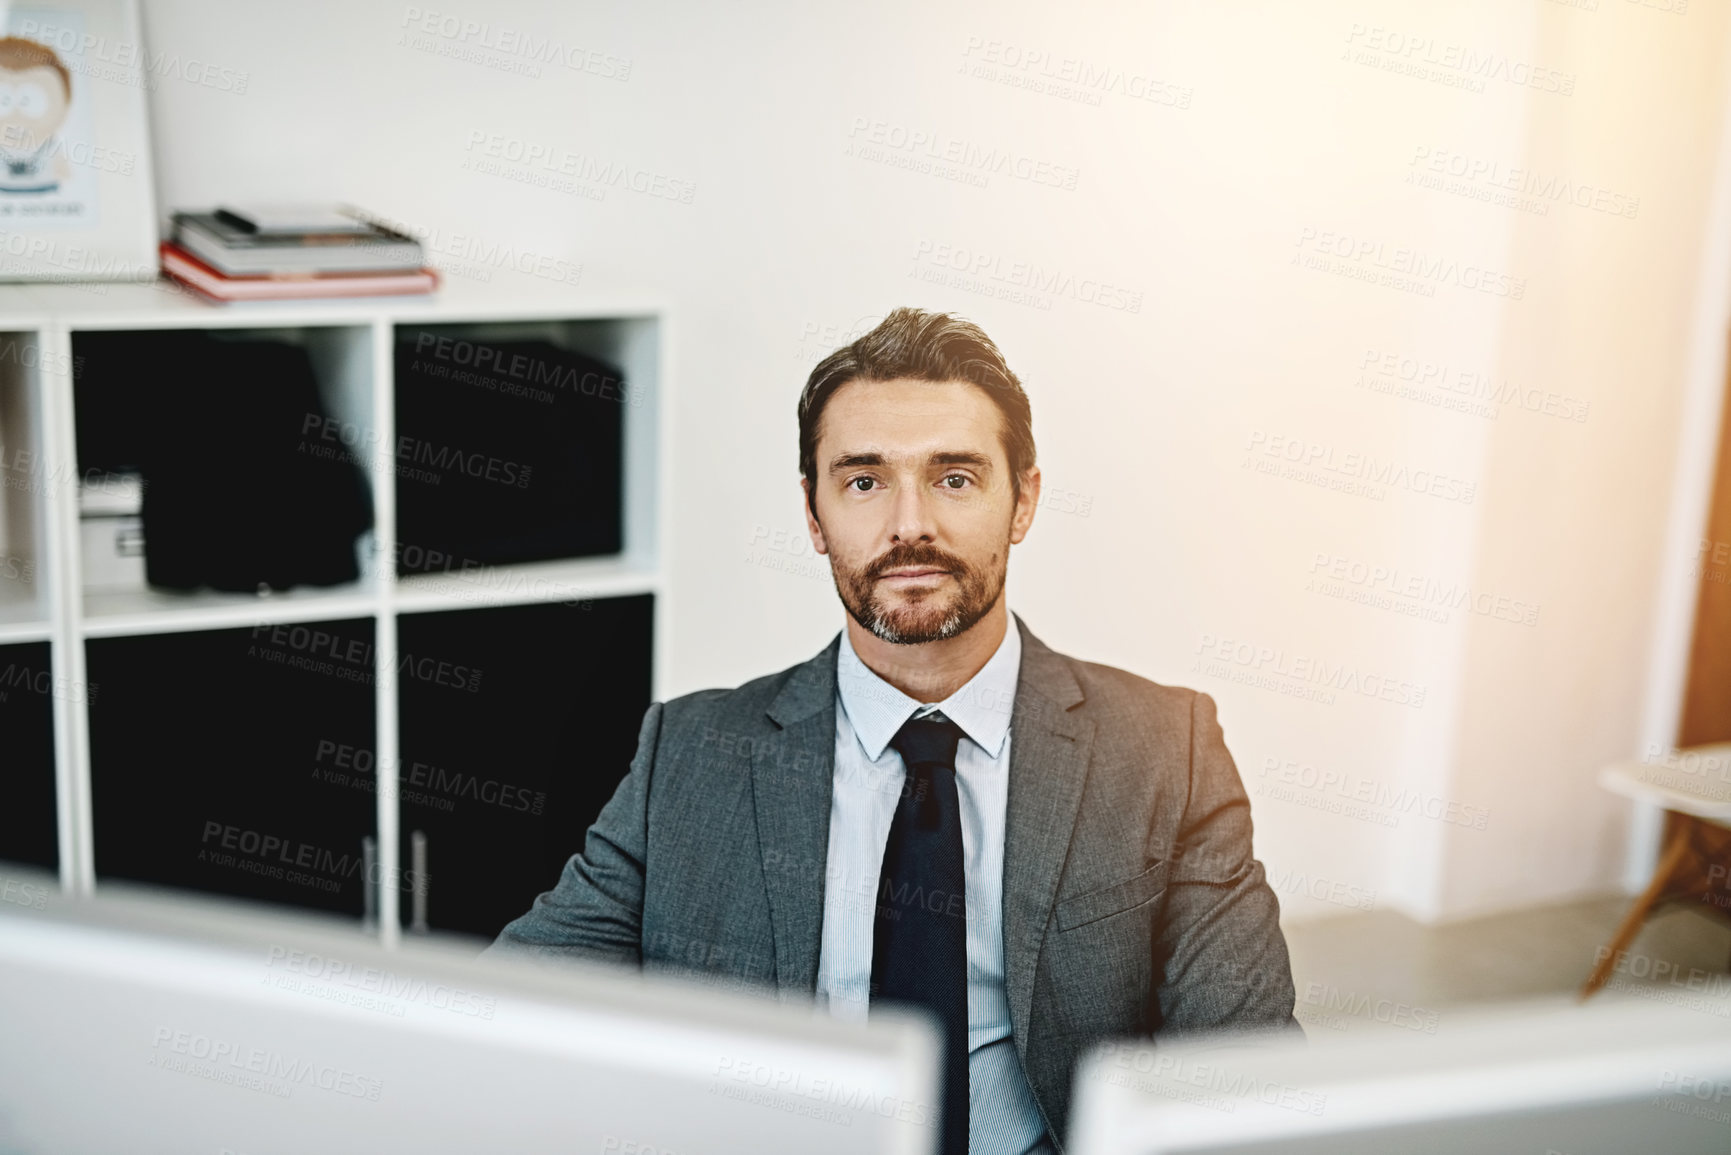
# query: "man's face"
{"type": "Point", "coordinates": [33, 106]}
{"type": "Point", "coordinates": [915, 505]}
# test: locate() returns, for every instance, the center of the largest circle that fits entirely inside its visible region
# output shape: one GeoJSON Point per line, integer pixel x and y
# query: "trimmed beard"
{"type": "Point", "coordinates": [921, 621]}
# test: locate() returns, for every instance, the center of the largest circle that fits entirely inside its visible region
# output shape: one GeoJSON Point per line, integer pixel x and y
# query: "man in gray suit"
{"type": "Point", "coordinates": [938, 809]}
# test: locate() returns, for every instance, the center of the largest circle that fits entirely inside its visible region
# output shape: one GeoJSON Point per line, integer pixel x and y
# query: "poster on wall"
{"type": "Point", "coordinates": [76, 200]}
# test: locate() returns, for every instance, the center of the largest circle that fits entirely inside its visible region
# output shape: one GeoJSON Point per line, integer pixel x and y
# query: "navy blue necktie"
{"type": "Point", "coordinates": [920, 932]}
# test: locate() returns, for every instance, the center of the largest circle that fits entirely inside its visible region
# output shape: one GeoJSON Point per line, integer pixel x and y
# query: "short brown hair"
{"type": "Point", "coordinates": [912, 343]}
{"type": "Point", "coordinates": [18, 54]}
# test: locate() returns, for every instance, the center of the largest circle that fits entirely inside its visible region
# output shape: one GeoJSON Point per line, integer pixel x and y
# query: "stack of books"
{"type": "Point", "coordinates": [293, 252]}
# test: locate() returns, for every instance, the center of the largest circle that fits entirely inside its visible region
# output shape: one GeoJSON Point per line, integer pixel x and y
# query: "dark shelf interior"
{"type": "Point", "coordinates": [252, 476]}
{"type": "Point", "coordinates": [206, 769]}
{"type": "Point", "coordinates": [505, 778]}
{"type": "Point", "coordinates": [28, 831]}
{"type": "Point", "coordinates": [509, 447]}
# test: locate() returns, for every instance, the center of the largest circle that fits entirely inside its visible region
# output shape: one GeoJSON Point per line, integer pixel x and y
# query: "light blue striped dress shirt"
{"type": "Point", "coordinates": [1002, 1116]}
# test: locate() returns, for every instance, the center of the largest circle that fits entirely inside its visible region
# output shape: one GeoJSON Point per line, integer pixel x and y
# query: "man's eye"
{"type": "Point", "coordinates": [862, 484]}
{"type": "Point", "coordinates": [955, 481]}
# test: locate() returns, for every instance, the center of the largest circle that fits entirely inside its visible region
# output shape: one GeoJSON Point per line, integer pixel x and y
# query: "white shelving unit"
{"type": "Point", "coordinates": [351, 343]}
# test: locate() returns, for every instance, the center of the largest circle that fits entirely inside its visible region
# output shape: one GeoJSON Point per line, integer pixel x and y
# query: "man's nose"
{"type": "Point", "coordinates": [912, 518]}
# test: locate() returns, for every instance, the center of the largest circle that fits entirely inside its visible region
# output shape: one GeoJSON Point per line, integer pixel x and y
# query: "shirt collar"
{"type": "Point", "coordinates": [981, 708]}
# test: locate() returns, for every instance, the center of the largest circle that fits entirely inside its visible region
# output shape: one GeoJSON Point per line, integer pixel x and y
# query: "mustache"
{"type": "Point", "coordinates": [915, 554]}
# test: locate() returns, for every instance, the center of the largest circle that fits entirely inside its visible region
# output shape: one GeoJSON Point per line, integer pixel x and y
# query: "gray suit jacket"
{"type": "Point", "coordinates": [1132, 904]}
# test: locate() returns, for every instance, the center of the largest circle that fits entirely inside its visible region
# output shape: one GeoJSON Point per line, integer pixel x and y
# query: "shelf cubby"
{"type": "Point", "coordinates": [25, 482]}
{"type": "Point", "coordinates": [510, 745]}
{"type": "Point", "coordinates": [212, 767]}
{"type": "Point", "coordinates": [27, 814]}
{"type": "Point", "coordinates": [175, 403]}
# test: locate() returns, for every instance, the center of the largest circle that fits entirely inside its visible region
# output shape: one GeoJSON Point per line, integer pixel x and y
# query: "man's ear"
{"type": "Point", "coordinates": [1027, 500]}
{"type": "Point", "coordinates": [811, 525]}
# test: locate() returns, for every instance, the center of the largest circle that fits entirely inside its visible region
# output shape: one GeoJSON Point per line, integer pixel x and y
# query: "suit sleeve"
{"type": "Point", "coordinates": [596, 909]}
{"type": "Point", "coordinates": [1224, 958]}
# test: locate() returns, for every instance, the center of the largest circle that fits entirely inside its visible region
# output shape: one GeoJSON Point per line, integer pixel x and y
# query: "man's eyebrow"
{"type": "Point", "coordinates": [854, 461]}
{"type": "Point", "coordinates": [978, 460]}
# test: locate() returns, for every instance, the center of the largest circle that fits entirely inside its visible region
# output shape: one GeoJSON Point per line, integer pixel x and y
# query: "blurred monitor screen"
{"type": "Point", "coordinates": [1608, 1078]}
{"type": "Point", "coordinates": [153, 1025]}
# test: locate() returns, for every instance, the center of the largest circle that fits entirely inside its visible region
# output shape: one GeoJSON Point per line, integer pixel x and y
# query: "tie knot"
{"type": "Point", "coordinates": [928, 742]}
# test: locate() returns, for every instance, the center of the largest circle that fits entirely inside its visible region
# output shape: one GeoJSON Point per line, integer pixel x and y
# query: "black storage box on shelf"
{"type": "Point", "coordinates": [238, 494]}
{"type": "Point", "coordinates": [28, 828]}
{"type": "Point", "coordinates": [517, 725]}
{"type": "Point", "coordinates": [224, 761]}
{"type": "Point", "coordinates": [507, 451]}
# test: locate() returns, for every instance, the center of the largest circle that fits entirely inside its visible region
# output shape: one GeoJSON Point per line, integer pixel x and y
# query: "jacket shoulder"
{"type": "Point", "coordinates": [733, 708]}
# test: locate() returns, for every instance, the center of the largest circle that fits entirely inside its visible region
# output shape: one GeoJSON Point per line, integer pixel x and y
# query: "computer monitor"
{"type": "Point", "coordinates": [152, 1024]}
{"type": "Point", "coordinates": [1614, 1077]}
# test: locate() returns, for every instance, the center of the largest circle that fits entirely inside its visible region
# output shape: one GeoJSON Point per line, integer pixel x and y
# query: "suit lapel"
{"type": "Point", "coordinates": [1049, 749]}
{"type": "Point", "coordinates": [792, 773]}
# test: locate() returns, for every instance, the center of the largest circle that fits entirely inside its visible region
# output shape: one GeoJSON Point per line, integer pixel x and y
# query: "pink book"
{"type": "Point", "coordinates": [183, 266]}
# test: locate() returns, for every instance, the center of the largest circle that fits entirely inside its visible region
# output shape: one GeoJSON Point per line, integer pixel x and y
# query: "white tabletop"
{"type": "Point", "coordinates": [1695, 781]}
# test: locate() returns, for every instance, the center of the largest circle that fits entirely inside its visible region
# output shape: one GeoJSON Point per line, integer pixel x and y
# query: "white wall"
{"type": "Point", "coordinates": [1215, 149]}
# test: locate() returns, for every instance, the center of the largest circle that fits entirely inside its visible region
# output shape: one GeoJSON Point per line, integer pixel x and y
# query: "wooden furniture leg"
{"type": "Point", "coordinates": [1675, 851]}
